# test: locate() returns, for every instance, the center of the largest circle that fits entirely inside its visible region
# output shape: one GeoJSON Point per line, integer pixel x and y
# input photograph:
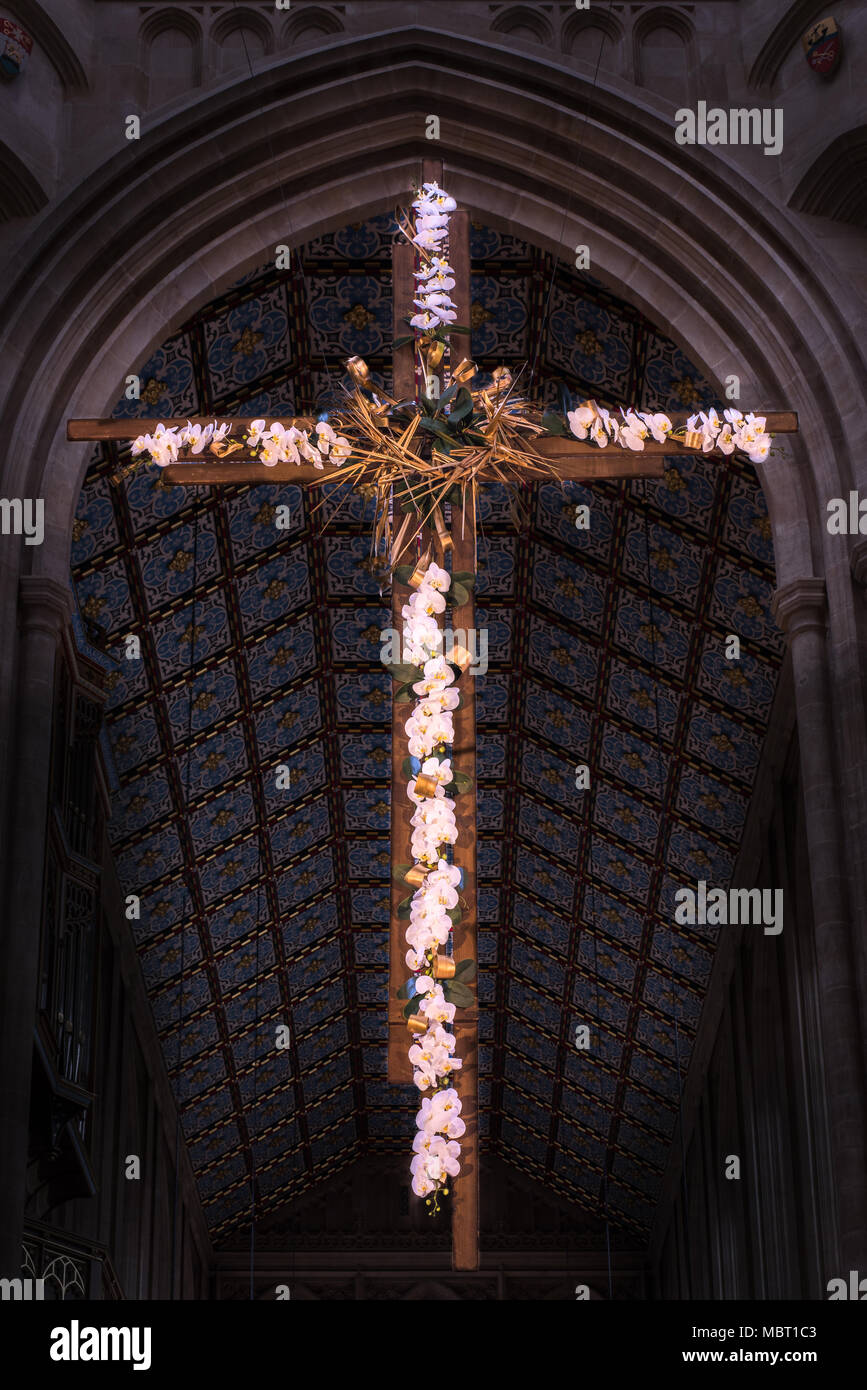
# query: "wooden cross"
{"type": "Point", "coordinates": [573, 460]}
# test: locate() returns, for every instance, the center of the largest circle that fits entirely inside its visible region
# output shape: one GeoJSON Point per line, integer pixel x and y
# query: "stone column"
{"type": "Point", "coordinates": [801, 610]}
{"type": "Point", "coordinates": [44, 607]}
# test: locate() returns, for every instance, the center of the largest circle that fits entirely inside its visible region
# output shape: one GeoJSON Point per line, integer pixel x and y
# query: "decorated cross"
{"type": "Point", "coordinates": [422, 453]}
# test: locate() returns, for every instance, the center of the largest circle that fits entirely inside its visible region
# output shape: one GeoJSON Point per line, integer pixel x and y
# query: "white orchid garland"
{"type": "Point", "coordinates": [436, 277]}
{"type": "Point", "coordinates": [268, 444]}
{"type": "Point", "coordinates": [430, 732]}
{"type": "Point", "coordinates": [735, 431]}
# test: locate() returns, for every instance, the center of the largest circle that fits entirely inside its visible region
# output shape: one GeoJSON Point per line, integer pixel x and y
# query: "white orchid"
{"type": "Point", "coordinates": [430, 730]}
{"type": "Point", "coordinates": [195, 437]}
{"type": "Point", "coordinates": [598, 433]}
{"type": "Point", "coordinates": [435, 196]}
{"type": "Point", "coordinates": [164, 445]}
{"type": "Point", "coordinates": [659, 425]}
{"type": "Point", "coordinates": [633, 431]}
{"type": "Point", "coordinates": [760, 449]}
{"type": "Point", "coordinates": [580, 420]}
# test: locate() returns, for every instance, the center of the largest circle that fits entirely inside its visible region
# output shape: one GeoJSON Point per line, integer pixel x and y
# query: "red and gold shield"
{"type": "Point", "coordinates": [822, 45]}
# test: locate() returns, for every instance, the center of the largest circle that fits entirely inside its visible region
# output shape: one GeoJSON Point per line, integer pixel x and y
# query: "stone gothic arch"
{"type": "Point", "coordinates": [714, 260]}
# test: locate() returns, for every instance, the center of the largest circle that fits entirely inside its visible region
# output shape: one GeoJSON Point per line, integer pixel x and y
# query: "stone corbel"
{"type": "Point", "coordinates": [858, 562]}
{"type": "Point", "coordinates": [43, 604]}
{"type": "Point", "coordinates": [801, 606]}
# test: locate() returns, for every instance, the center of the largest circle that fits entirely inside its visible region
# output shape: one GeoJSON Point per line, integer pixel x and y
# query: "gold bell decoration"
{"type": "Point", "coordinates": [417, 1023]}
{"type": "Point", "coordinates": [420, 570]}
{"type": "Point", "coordinates": [433, 356]}
{"type": "Point", "coordinates": [416, 876]}
{"type": "Point", "coordinates": [444, 967]}
{"type": "Point", "coordinates": [693, 439]}
{"type": "Point", "coordinates": [460, 657]}
{"type": "Point", "coordinates": [443, 535]}
{"type": "Point", "coordinates": [464, 371]}
{"type": "Point", "coordinates": [222, 447]}
{"type": "Point", "coordinates": [358, 370]}
{"type": "Point", "coordinates": [426, 786]}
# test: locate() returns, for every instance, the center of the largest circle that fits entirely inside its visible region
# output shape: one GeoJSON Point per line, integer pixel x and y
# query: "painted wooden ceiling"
{"type": "Point", "coordinates": [264, 906]}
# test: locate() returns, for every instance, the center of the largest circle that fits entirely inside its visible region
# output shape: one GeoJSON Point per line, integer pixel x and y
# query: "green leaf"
{"type": "Point", "coordinates": [462, 781]}
{"type": "Point", "coordinates": [454, 494]}
{"type": "Point", "coordinates": [553, 424]}
{"type": "Point", "coordinates": [449, 394]}
{"type": "Point", "coordinates": [457, 594]}
{"type": "Point", "coordinates": [460, 994]}
{"type": "Point", "coordinates": [464, 577]}
{"type": "Point", "coordinates": [413, 1006]}
{"type": "Point", "coordinates": [465, 970]}
{"type": "Point", "coordinates": [463, 405]}
{"type": "Point", "coordinates": [404, 906]}
{"type": "Point", "coordinates": [400, 870]}
{"type": "Point", "coordinates": [455, 915]}
{"type": "Point", "coordinates": [404, 695]}
{"type": "Point", "coordinates": [435, 426]}
{"type": "Point", "coordinates": [404, 673]}
{"type": "Point", "coordinates": [402, 992]}
{"type": "Point", "coordinates": [402, 342]}
{"type": "Point", "coordinates": [403, 572]}
{"type": "Point", "coordinates": [459, 328]}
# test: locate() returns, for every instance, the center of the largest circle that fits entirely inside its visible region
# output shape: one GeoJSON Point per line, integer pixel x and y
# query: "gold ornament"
{"type": "Point", "coordinates": [464, 371]}
{"type": "Point", "coordinates": [444, 967]}
{"type": "Point", "coordinates": [358, 370]}
{"type": "Point", "coordinates": [434, 355]}
{"type": "Point", "coordinates": [416, 876]}
{"type": "Point", "coordinates": [416, 1023]}
{"type": "Point", "coordinates": [425, 786]}
{"type": "Point", "coordinates": [442, 531]}
{"type": "Point", "coordinates": [693, 439]}
{"type": "Point", "coordinates": [421, 569]}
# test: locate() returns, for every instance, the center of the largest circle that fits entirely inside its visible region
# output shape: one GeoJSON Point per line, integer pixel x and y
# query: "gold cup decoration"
{"type": "Point", "coordinates": [358, 370]}
{"type": "Point", "coordinates": [420, 570]}
{"type": "Point", "coordinates": [426, 786]}
{"type": "Point", "coordinates": [444, 967]}
{"type": "Point", "coordinates": [464, 371]}
{"type": "Point", "coordinates": [443, 534]}
{"type": "Point", "coordinates": [222, 447]}
{"type": "Point", "coordinates": [416, 876]}
{"type": "Point", "coordinates": [460, 657]}
{"type": "Point", "coordinates": [417, 1023]}
{"type": "Point", "coordinates": [693, 439]}
{"type": "Point", "coordinates": [433, 355]}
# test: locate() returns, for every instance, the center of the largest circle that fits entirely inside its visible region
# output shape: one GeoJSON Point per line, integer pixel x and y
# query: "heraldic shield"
{"type": "Point", "coordinates": [822, 45]}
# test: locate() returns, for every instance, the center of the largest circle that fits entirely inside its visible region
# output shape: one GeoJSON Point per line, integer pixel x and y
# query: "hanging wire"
{"type": "Point", "coordinates": [176, 1281]}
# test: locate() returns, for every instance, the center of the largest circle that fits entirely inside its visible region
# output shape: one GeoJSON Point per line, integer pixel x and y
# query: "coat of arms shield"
{"type": "Point", "coordinates": [15, 46]}
{"type": "Point", "coordinates": [822, 45]}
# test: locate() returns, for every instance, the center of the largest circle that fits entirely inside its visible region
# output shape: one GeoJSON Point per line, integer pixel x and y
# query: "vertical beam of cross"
{"type": "Point", "coordinates": [403, 388]}
{"type": "Point", "coordinates": [465, 1191]}
{"type": "Point", "coordinates": [465, 1206]}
